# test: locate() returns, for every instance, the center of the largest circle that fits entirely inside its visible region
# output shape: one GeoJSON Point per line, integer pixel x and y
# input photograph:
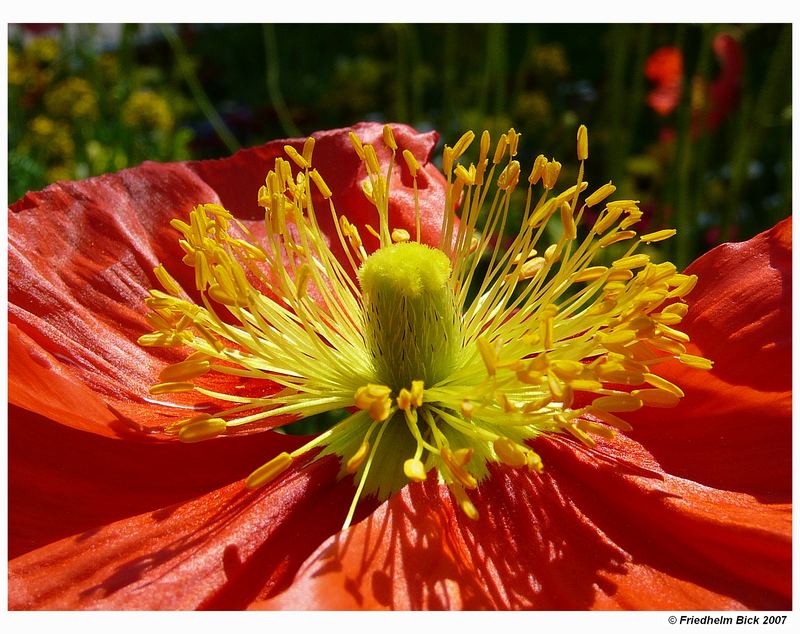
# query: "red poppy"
{"type": "Point", "coordinates": [690, 510]}
{"type": "Point", "coordinates": [664, 67]}
{"type": "Point", "coordinates": [715, 101]}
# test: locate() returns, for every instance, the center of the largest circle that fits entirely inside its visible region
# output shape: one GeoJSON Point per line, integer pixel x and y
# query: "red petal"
{"type": "Point", "coordinates": [238, 179]}
{"type": "Point", "coordinates": [594, 531]}
{"type": "Point", "coordinates": [665, 65]}
{"type": "Point", "coordinates": [63, 481]}
{"type": "Point", "coordinates": [732, 430]}
{"type": "Point", "coordinates": [80, 261]}
{"type": "Point", "coordinates": [215, 552]}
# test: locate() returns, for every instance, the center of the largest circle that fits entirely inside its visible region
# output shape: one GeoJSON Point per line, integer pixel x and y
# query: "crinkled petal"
{"type": "Point", "coordinates": [81, 256]}
{"type": "Point", "coordinates": [602, 529]}
{"type": "Point", "coordinates": [63, 481]}
{"type": "Point", "coordinates": [732, 430]}
{"type": "Point", "coordinates": [217, 551]}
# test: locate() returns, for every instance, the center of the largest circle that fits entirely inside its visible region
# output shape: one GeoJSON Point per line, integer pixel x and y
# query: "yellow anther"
{"type": "Point", "coordinates": [585, 385]}
{"type": "Point", "coordinates": [400, 235]}
{"type": "Point", "coordinates": [167, 281]}
{"type": "Point", "coordinates": [175, 427]}
{"type": "Point", "coordinates": [677, 308]}
{"type": "Point", "coordinates": [609, 217]}
{"type": "Point", "coordinates": [357, 146]}
{"type": "Point", "coordinates": [578, 433]}
{"type": "Point", "coordinates": [184, 370]}
{"type": "Point", "coordinates": [657, 397]}
{"type": "Point", "coordinates": [531, 268]}
{"type": "Point", "coordinates": [552, 253]}
{"type": "Point", "coordinates": [296, 157]}
{"type": "Point", "coordinates": [462, 456]}
{"type": "Point", "coordinates": [671, 319]}
{"type": "Point", "coordinates": [268, 472]}
{"type": "Point", "coordinates": [613, 238]}
{"type": "Point", "coordinates": [467, 176]}
{"type": "Point", "coordinates": [616, 338]}
{"type": "Point", "coordinates": [693, 361]}
{"type": "Point", "coordinates": [550, 174]}
{"type": "Point", "coordinates": [686, 287]}
{"type": "Point", "coordinates": [488, 354]}
{"type": "Point", "coordinates": [388, 137]}
{"type": "Point", "coordinates": [618, 403]}
{"type": "Point", "coordinates": [583, 143]}
{"type": "Point", "coordinates": [417, 393]}
{"type": "Point", "coordinates": [662, 384]}
{"type": "Point", "coordinates": [171, 387]}
{"type": "Point", "coordinates": [371, 160]}
{"type": "Point", "coordinates": [457, 470]}
{"type": "Point", "coordinates": [302, 279]}
{"type": "Point", "coordinates": [219, 295]}
{"type": "Point", "coordinates": [632, 261]}
{"type": "Point", "coordinates": [509, 177]}
{"type": "Point", "coordinates": [539, 164]}
{"type": "Point", "coordinates": [486, 141]}
{"type": "Point", "coordinates": [568, 222]}
{"type": "Point", "coordinates": [609, 419]}
{"type": "Point", "coordinates": [366, 188]}
{"type": "Point", "coordinates": [202, 430]}
{"type": "Point", "coordinates": [619, 275]}
{"type": "Point", "coordinates": [658, 236]}
{"type": "Point", "coordinates": [404, 400]}
{"type": "Point", "coordinates": [600, 195]}
{"type": "Point", "coordinates": [411, 162]}
{"type": "Point", "coordinates": [357, 459]}
{"type": "Point", "coordinates": [308, 149]}
{"type": "Point", "coordinates": [510, 453]}
{"type": "Point", "coordinates": [534, 461]}
{"type": "Point", "coordinates": [414, 470]}
{"type": "Point", "coordinates": [366, 394]}
{"type": "Point", "coordinates": [671, 333]}
{"type": "Point", "coordinates": [500, 150]}
{"type": "Point", "coordinates": [447, 160]}
{"type": "Point", "coordinates": [159, 339]}
{"type": "Point", "coordinates": [632, 219]}
{"type": "Point", "coordinates": [593, 428]}
{"type": "Point", "coordinates": [467, 409]}
{"type": "Point", "coordinates": [513, 141]}
{"type": "Point", "coordinates": [590, 274]}
{"type": "Point", "coordinates": [463, 143]}
{"type": "Point", "coordinates": [567, 370]}
{"type": "Point", "coordinates": [468, 508]}
{"type": "Point", "coordinates": [651, 297]}
{"type": "Point", "coordinates": [322, 186]}
{"type": "Point", "coordinates": [568, 194]}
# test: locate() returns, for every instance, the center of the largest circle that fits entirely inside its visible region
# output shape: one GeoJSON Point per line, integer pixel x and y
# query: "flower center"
{"type": "Point", "coordinates": [444, 367]}
{"type": "Point", "coordinates": [412, 327]}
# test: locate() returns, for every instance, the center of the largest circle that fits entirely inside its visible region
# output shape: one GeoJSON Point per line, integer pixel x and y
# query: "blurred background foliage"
{"type": "Point", "coordinates": [692, 120]}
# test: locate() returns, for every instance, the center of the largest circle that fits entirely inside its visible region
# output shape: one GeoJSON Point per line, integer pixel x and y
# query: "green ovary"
{"type": "Point", "coordinates": [412, 328]}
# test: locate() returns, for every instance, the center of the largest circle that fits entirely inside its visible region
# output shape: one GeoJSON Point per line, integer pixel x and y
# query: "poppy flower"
{"type": "Point", "coordinates": [714, 101]}
{"type": "Point", "coordinates": [520, 494]}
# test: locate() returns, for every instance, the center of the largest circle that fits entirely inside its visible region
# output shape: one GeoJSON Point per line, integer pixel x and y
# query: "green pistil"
{"type": "Point", "coordinates": [413, 330]}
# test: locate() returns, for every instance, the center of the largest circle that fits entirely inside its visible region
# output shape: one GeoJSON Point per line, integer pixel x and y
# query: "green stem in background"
{"type": "Point", "coordinates": [702, 143]}
{"type": "Point", "coordinates": [494, 71]}
{"type": "Point", "coordinates": [401, 75]}
{"type": "Point", "coordinates": [754, 129]}
{"type": "Point", "coordinates": [201, 98]}
{"type": "Point", "coordinates": [684, 220]}
{"type": "Point", "coordinates": [636, 89]}
{"type": "Point", "coordinates": [415, 69]}
{"type": "Point", "coordinates": [617, 98]}
{"type": "Point", "coordinates": [274, 84]}
{"type": "Point", "coordinates": [449, 80]}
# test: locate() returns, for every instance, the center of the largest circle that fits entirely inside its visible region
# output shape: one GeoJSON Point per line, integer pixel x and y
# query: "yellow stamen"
{"type": "Point", "coordinates": [268, 472]}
